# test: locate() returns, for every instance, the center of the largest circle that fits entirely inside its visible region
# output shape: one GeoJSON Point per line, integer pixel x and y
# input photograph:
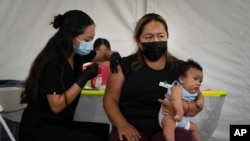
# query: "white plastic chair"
{"type": "Point", "coordinates": [10, 102]}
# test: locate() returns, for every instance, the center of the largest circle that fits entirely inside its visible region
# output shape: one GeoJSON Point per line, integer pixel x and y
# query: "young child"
{"type": "Point", "coordinates": [186, 88]}
{"type": "Point", "coordinates": [99, 82]}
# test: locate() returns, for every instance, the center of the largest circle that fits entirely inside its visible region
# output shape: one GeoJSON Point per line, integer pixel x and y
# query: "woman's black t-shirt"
{"type": "Point", "coordinates": [140, 91]}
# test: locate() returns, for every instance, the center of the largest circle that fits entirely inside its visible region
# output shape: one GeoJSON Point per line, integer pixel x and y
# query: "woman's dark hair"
{"type": "Point", "coordinates": [138, 31]}
{"type": "Point", "coordinates": [99, 41]}
{"type": "Point", "coordinates": [69, 25]}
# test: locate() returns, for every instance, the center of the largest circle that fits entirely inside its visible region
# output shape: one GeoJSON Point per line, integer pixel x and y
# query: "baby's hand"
{"type": "Point", "coordinates": [177, 118]}
{"type": "Point", "coordinates": [199, 103]}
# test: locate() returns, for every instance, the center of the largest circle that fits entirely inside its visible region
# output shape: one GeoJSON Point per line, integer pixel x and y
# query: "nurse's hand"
{"type": "Point", "coordinates": [88, 73]}
{"type": "Point", "coordinates": [115, 59]}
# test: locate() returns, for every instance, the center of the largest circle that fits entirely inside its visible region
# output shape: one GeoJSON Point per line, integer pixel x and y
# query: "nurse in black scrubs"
{"type": "Point", "coordinates": [52, 88]}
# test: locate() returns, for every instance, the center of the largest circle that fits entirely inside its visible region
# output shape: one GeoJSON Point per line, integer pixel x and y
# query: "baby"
{"type": "Point", "coordinates": [186, 88]}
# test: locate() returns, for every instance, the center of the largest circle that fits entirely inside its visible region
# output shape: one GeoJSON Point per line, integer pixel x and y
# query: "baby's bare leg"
{"type": "Point", "coordinates": [168, 125]}
{"type": "Point", "coordinates": [195, 131]}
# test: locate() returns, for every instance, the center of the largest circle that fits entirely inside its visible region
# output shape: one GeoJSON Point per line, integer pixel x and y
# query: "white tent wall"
{"type": "Point", "coordinates": [215, 33]}
{"type": "Point", "coordinates": [25, 27]}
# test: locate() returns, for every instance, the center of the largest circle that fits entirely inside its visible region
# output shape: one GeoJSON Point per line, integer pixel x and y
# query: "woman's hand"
{"type": "Point", "coordinates": [129, 132]}
{"type": "Point", "coordinates": [193, 108]}
{"type": "Point", "coordinates": [167, 107]}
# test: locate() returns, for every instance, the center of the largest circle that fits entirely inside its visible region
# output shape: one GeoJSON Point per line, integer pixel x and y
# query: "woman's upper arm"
{"type": "Point", "coordinates": [112, 97]}
{"type": "Point", "coordinates": [114, 85]}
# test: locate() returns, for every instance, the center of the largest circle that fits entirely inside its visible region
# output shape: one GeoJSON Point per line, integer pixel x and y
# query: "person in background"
{"type": "Point", "coordinates": [53, 86]}
{"type": "Point", "coordinates": [186, 88]}
{"type": "Point", "coordinates": [101, 45]}
{"type": "Point", "coordinates": [133, 96]}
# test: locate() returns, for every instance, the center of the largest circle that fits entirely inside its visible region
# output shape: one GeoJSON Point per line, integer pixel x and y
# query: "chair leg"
{"type": "Point", "coordinates": [7, 128]}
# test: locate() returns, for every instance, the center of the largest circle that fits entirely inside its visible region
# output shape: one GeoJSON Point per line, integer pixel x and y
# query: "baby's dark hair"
{"type": "Point", "coordinates": [187, 65]}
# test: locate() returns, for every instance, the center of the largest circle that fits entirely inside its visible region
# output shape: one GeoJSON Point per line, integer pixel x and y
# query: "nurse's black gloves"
{"type": "Point", "coordinates": [115, 59]}
{"type": "Point", "coordinates": [89, 73]}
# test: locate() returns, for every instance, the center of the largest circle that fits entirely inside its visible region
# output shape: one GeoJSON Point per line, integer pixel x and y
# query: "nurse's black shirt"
{"type": "Point", "coordinates": [56, 78]}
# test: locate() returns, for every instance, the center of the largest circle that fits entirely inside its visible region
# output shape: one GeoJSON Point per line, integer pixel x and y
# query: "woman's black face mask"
{"type": "Point", "coordinates": [154, 50]}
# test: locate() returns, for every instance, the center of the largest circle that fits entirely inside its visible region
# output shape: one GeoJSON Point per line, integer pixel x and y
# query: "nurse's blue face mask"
{"type": "Point", "coordinates": [84, 48]}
